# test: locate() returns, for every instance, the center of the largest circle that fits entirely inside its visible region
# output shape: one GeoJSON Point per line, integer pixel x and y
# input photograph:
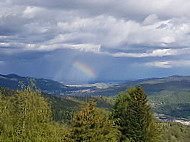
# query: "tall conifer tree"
{"type": "Point", "coordinates": [92, 124]}
{"type": "Point", "coordinates": [25, 116]}
{"type": "Point", "coordinates": [132, 114]}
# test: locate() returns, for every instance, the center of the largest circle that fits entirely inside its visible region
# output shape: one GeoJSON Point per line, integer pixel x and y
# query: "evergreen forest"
{"type": "Point", "coordinates": [28, 115]}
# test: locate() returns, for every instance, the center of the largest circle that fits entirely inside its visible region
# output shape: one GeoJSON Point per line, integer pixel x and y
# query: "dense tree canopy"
{"type": "Point", "coordinates": [25, 116]}
{"type": "Point", "coordinates": [92, 124]}
{"type": "Point", "coordinates": [132, 114]}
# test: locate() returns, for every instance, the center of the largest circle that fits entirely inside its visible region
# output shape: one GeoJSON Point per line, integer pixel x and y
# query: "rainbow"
{"type": "Point", "coordinates": [84, 69]}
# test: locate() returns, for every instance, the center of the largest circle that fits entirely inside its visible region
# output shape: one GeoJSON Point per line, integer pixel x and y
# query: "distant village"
{"type": "Point", "coordinates": [161, 117]}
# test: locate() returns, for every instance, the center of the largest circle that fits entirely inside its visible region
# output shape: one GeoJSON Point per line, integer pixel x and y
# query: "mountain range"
{"type": "Point", "coordinates": [151, 86]}
{"type": "Point", "coordinates": [16, 82]}
{"type": "Point", "coordinates": [169, 95]}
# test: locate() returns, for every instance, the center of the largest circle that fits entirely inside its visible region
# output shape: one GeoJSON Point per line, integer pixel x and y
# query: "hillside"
{"type": "Point", "coordinates": [151, 86]}
{"type": "Point", "coordinates": [63, 109]}
{"type": "Point", "coordinates": [14, 81]}
{"type": "Point", "coordinates": [169, 96]}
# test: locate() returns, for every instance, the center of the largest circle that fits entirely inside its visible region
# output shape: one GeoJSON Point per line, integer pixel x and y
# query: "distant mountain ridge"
{"type": "Point", "coordinates": [172, 83]}
{"type": "Point", "coordinates": [11, 76]}
{"type": "Point", "coordinates": [150, 85]}
{"type": "Point", "coordinates": [45, 85]}
{"type": "Point", "coordinates": [168, 95]}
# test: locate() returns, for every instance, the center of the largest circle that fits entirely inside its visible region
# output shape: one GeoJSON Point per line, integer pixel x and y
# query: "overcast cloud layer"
{"type": "Point", "coordinates": [117, 40]}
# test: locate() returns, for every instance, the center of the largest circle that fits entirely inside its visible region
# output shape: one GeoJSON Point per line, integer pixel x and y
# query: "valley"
{"type": "Point", "coordinates": [169, 96]}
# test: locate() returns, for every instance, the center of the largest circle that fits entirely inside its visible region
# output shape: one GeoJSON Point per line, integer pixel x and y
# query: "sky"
{"type": "Point", "coordinates": [95, 40]}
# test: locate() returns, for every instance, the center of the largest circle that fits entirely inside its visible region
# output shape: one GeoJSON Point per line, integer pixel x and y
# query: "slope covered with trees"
{"type": "Point", "coordinates": [92, 124]}
{"type": "Point", "coordinates": [28, 116]}
{"type": "Point", "coordinates": [169, 96]}
{"type": "Point", "coordinates": [14, 81]}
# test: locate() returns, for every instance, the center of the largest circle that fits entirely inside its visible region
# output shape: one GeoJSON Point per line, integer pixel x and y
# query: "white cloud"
{"type": "Point", "coordinates": [30, 12]}
{"type": "Point", "coordinates": [112, 32]}
{"type": "Point", "coordinates": [167, 40]}
{"type": "Point", "coordinates": [160, 64]}
{"type": "Point", "coordinates": [2, 62]}
{"type": "Point", "coordinates": [82, 47]}
{"type": "Point", "coordinates": [161, 27]}
{"type": "Point", "coordinates": [122, 8]}
{"type": "Point", "coordinates": [153, 31]}
{"type": "Point", "coordinates": [169, 64]}
{"type": "Point", "coordinates": [3, 44]}
{"type": "Point", "coordinates": [151, 19]}
{"type": "Point", "coordinates": [154, 53]}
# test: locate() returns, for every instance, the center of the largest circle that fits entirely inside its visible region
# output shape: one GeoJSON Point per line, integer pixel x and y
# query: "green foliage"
{"type": "Point", "coordinates": [92, 124]}
{"type": "Point", "coordinates": [6, 91]}
{"type": "Point", "coordinates": [32, 113]}
{"type": "Point", "coordinates": [132, 114]}
{"type": "Point", "coordinates": [101, 101]}
{"type": "Point", "coordinates": [175, 132]}
{"type": "Point", "coordinates": [63, 108]}
{"type": "Point", "coordinates": [48, 86]}
{"type": "Point", "coordinates": [26, 116]}
{"type": "Point", "coordinates": [175, 104]}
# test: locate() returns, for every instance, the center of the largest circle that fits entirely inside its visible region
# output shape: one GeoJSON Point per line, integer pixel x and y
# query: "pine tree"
{"type": "Point", "coordinates": [33, 115]}
{"type": "Point", "coordinates": [26, 116]}
{"type": "Point", "coordinates": [93, 125]}
{"type": "Point", "coordinates": [132, 114]}
{"type": "Point", "coordinates": [6, 119]}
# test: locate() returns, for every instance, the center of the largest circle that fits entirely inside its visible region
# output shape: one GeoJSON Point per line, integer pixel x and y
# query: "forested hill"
{"type": "Point", "coordinates": [14, 81]}
{"type": "Point", "coordinates": [56, 123]}
{"type": "Point", "coordinates": [173, 83]}
{"type": "Point", "coordinates": [152, 86]}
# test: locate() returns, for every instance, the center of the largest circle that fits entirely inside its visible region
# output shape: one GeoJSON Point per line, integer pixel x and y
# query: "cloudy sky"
{"type": "Point", "coordinates": [86, 40]}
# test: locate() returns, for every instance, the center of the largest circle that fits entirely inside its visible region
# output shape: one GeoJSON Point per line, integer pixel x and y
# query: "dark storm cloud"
{"type": "Point", "coordinates": [63, 22]}
{"type": "Point", "coordinates": [156, 32]}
